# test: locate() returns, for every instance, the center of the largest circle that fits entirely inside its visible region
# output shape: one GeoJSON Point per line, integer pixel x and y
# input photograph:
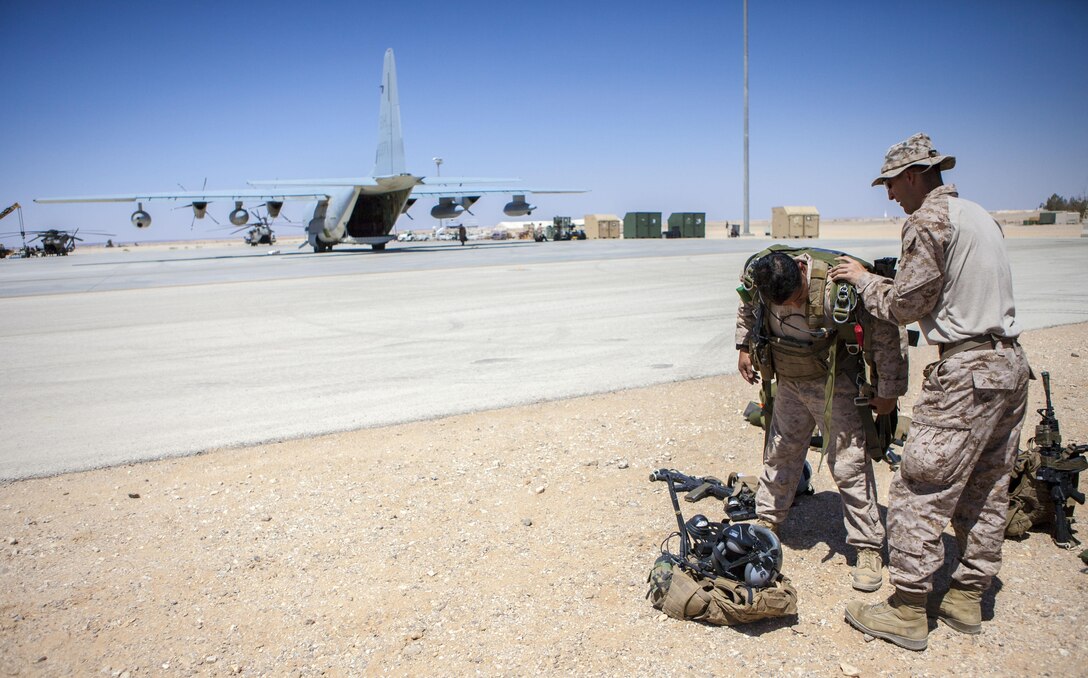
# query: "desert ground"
{"type": "Point", "coordinates": [508, 542]}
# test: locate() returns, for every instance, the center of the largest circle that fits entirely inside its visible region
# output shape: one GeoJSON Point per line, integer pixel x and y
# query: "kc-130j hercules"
{"type": "Point", "coordinates": [359, 210]}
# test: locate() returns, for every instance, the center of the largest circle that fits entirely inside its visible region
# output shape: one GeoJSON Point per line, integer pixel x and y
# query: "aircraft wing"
{"type": "Point", "coordinates": [371, 181]}
{"type": "Point", "coordinates": [349, 181]}
{"type": "Point", "coordinates": [430, 187]}
{"type": "Point", "coordinates": [195, 196]}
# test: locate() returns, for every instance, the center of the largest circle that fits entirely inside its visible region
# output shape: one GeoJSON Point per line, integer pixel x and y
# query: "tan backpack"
{"type": "Point", "coordinates": [682, 594]}
{"type": "Point", "coordinates": [1030, 503]}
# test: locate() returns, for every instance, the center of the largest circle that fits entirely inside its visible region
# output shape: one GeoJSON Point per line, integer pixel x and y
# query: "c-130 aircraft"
{"type": "Point", "coordinates": [357, 210]}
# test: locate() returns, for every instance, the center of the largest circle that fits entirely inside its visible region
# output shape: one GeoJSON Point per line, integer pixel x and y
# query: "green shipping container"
{"type": "Point", "coordinates": [642, 225]}
{"type": "Point", "coordinates": [690, 224]}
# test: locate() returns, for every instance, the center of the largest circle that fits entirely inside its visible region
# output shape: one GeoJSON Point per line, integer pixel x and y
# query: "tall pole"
{"type": "Point", "coordinates": [746, 231]}
{"type": "Point", "coordinates": [438, 171]}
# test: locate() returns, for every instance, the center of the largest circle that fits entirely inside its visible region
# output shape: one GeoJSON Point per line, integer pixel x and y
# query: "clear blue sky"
{"type": "Point", "coordinates": [641, 102]}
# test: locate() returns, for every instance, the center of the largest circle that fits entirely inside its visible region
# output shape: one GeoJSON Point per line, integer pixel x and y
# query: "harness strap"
{"type": "Point", "coordinates": [847, 332]}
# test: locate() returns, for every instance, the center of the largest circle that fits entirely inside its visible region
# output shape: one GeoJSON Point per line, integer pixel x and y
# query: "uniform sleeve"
{"type": "Point", "coordinates": [888, 356]}
{"type": "Point", "coordinates": [746, 320]}
{"type": "Point", "coordinates": [919, 280]}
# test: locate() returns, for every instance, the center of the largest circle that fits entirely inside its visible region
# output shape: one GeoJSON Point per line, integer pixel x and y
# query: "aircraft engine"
{"type": "Point", "coordinates": [200, 209]}
{"type": "Point", "coordinates": [518, 207]}
{"type": "Point", "coordinates": [446, 209]}
{"type": "Point", "coordinates": [240, 216]}
{"type": "Point", "coordinates": [274, 207]}
{"type": "Point", "coordinates": [140, 218]}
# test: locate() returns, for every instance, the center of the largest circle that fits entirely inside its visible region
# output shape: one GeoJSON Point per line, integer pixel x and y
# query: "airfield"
{"type": "Point", "coordinates": [433, 461]}
{"type": "Point", "coordinates": [124, 355]}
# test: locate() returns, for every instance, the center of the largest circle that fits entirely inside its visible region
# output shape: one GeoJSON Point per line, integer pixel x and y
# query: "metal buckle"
{"type": "Point", "coordinates": [861, 401]}
{"type": "Point", "coordinates": [853, 349]}
{"type": "Point", "coordinates": [844, 304]}
{"type": "Point", "coordinates": [893, 459]}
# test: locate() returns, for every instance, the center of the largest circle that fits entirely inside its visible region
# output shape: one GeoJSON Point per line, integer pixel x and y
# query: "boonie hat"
{"type": "Point", "coordinates": [917, 150]}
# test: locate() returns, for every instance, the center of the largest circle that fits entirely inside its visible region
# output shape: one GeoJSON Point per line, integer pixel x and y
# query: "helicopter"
{"type": "Point", "coordinates": [57, 242]}
{"type": "Point", "coordinates": [54, 242]}
{"type": "Point", "coordinates": [259, 233]}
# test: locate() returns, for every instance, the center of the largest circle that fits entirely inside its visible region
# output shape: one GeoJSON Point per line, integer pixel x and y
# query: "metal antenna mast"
{"type": "Point", "coordinates": [746, 231]}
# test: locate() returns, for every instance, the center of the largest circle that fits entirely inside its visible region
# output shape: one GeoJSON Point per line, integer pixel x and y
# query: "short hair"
{"type": "Point", "coordinates": [930, 175]}
{"type": "Point", "coordinates": [777, 277]}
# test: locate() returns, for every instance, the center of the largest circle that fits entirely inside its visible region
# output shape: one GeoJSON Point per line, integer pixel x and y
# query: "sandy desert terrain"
{"type": "Point", "coordinates": [506, 542]}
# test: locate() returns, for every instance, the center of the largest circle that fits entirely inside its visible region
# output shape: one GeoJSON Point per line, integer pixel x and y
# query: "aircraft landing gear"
{"type": "Point", "coordinates": [379, 247]}
{"type": "Point", "coordinates": [320, 247]}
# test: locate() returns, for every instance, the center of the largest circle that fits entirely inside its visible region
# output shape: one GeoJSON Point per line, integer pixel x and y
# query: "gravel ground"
{"type": "Point", "coordinates": [506, 542]}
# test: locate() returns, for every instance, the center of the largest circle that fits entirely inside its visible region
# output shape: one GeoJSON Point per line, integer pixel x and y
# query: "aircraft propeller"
{"type": "Point", "coordinates": [199, 207]}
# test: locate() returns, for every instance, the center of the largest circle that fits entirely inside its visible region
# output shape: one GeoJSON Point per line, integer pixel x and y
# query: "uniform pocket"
{"type": "Point", "coordinates": [996, 374]}
{"type": "Point", "coordinates": [945, 396]}
{"type": "Point", "coordinates": [936, 455]}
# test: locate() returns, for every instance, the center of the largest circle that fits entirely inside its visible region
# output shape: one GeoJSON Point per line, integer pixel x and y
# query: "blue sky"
{"type": "Point", "coordinates": [641, 102]}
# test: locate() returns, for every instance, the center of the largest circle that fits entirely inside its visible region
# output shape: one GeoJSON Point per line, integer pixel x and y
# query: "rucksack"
{"type": "Point", "coordinates": [1030, 503]}
{"type": "Point", "coordinates": [687, 595]}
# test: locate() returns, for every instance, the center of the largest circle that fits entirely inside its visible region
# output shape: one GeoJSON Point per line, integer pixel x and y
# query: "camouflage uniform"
{"type": "Point", "coordinates": [966, 423]}
{"type": "Point", "coordinates": [799, 408]}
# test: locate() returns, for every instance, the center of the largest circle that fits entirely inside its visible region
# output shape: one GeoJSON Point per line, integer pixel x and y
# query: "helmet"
{"type": "Point", "coordinates": [702, 533]}
{"type": "Point", "coordinates": [748, 553]}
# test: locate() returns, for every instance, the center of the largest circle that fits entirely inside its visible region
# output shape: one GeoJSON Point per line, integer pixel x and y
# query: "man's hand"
{"type": "Point", "coordinates": [847, 270]}
{"type": "Point", "coordinates": [744, 366]}
{"type": "Point", "coordinates": [882, 405]}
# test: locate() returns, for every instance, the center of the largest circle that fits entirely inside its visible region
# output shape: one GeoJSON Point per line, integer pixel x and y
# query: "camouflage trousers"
{"type": "Point", "coordinates": [964, 435]}
{"type": "Point", "coordinates": [798, 408]}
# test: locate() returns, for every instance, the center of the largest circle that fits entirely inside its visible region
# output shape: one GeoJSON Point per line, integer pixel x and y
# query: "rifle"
{"type": "Point", "coordinates": [696, 488]}
{"type": "Point", "coordinates": [698, 535]}
{"type": "Point", "coordinates": [740, 502]}
{"type": "Point", "coordinates": [1059, 468]}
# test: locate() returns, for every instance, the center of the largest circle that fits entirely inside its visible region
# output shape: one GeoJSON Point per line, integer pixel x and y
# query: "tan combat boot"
{"type": "Point", "coordinates": [901, 619]}
{"type": "Point", "coordinates": [867, 574]}
{"type": "Point", "coordinates": [960, 609]}
{"type": "Point", "coordinates": [763, 522]}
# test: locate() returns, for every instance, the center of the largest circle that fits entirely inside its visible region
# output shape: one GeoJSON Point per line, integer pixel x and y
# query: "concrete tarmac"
{"type": "Point", "coordinates": [113, 357]}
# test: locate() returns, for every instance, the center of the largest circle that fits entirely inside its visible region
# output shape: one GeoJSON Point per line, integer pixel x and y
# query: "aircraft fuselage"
{"type": "Point", "coordinates": [360, 214]}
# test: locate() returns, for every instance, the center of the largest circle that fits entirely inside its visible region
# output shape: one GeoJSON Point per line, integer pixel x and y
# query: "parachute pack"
{"type": "Point", "coordinates": [725, 573]}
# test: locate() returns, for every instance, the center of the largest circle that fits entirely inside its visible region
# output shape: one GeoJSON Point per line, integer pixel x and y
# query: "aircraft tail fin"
{"type": "Point", "coordinates": [389, 160]}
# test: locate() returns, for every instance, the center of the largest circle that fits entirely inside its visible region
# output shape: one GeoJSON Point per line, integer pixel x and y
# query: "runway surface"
{"type": "Point", "coordinates": [112, 357]}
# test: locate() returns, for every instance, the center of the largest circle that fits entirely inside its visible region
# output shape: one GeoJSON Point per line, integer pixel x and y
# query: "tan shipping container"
{"type": "Point", "coordinates": [795, 222]}
{"type": "Point", "coordinates": [603, 226]}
